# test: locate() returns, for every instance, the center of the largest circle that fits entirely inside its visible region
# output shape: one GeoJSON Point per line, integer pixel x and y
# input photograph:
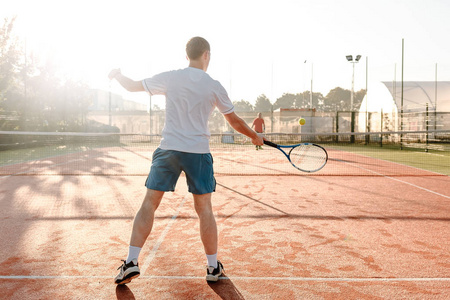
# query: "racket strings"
{"type": "Point", "coordinates": [308, 157]}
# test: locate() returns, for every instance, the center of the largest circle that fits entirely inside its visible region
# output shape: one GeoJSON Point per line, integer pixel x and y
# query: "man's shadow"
{"type": "Point", "coordinates": [225, 288]}
{"type": "Point", "coordinates": [124, 293]}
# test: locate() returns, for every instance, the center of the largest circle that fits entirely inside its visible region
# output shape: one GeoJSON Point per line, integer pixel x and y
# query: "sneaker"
{"type": "Point", "coordinates": [128, 271]}
{"type": "Point", "coordinates": [213, 274]}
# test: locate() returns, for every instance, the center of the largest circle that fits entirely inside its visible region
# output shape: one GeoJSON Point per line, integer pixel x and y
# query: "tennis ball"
{"type": "Point", "coordinates": [302, 121]}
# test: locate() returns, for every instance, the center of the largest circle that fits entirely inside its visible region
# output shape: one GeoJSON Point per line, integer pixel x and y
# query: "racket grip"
{"type": "Point", "coordinates": [268, 143]}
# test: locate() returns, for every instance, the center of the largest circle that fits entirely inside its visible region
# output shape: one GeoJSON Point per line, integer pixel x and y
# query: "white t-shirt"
{"type": "Point", "coordinates": [191, 96]}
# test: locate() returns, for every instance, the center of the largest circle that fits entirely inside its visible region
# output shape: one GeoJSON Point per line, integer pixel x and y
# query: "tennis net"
{"type": "Point", "coordinates": [406, 153]}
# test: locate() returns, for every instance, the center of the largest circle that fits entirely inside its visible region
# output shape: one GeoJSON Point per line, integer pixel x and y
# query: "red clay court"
{"type": "Point", "coordinates": [361, 228]}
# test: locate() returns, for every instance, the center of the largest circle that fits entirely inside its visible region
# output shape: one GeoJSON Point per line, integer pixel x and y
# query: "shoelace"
{"type": "Point", "coordinates": [124, 261]}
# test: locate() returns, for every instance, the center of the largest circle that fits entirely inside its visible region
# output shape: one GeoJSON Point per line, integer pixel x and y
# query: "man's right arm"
{"type": "Point", "coordinates": [127, 83]}
{"type": "Point", "coordinates": [240, 126]}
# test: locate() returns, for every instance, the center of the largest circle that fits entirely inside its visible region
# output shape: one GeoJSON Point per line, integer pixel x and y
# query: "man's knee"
{"type": "Point", "coordinates": [153, 198]}
{"type": "Point", "coordinates": [202, 204]}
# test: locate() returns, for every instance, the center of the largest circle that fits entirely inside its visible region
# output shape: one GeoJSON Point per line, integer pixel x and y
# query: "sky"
{"type": "Point", "coordinates": [257, 47]}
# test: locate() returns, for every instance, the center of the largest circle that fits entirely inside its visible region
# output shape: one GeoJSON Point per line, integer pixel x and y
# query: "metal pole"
{"type": "Point", "coordinates": [271, 83]}
{"type": "Point", "coordinates": [401, 111]}
{"type": "Point", "coordinates": [367, 91]}
{"type": "Point", "coordinates": [271, 118]}
{"type": "Point", "coordinates": [353, 87]}
{"type": "Point", "coordinates": [337, 126]}
{"type": "Point", "coordinates": [435, 99]}
{"type": "Point", "coordinates": [381, 128]}
{"type": "Point", "coordinates": [150, 113]}
{"type": "Point", "coordinates": [25, 123]}
{"type": "Point", "coordinates": [110, 117]}
{"type": "Point", "coordinates": [311, 95]}
{"type": "Point", "coordinates": [426, 129]}
{"type": "Point", "coordinates": [231, 78]}
{"type": "Point", "coordinates": [367, 100]}
{"type": "Point", "coordinates": [395, 91]}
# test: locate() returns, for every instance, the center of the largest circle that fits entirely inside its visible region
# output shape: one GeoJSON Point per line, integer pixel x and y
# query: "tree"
{"type": "Point", "coordinates": [34, 96]}
{"type": "Point", "coordinates": [10, 55]}
{"type": "Point", "coordinates": [358, 98]}
{"type": "Point", "coordinates": [337, 99]}
{"type": "Point", "coordinates": [243, 106]}
{"type": "Point", "coordinates": [56, 103]}
{"type": "Point", "coordinates": [300, 100]}
{"type": "Point", "coordinates": [263, 104]}
{"type": "Point", "coordinates": [303, 100]}
{"type": "Point", "coordinates": [285, 101]}
{"type": "Point", "coordinates": [12, 104]}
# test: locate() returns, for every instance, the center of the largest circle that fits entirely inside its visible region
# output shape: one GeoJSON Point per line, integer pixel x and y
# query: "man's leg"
{"type": "Point", "coordinates": [143, 221]}
{"type": "Point", "coordinates": [208, 234]}
{"type": "Point", "coordinates": [142, 227]}
{"type": "Point", "coordinates": [208, 227]}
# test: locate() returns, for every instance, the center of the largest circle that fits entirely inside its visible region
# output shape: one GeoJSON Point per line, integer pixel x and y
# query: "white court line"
{"type": "Point", "coordinates": [317, 279]}
{"type": "Point", "coordinates": [161, 238]}
{"type": "Point", "coordinates": [386, 176]}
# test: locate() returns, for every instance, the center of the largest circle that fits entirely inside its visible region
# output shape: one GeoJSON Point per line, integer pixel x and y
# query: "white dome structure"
{"type": "Point", "coordinates": [386, 97]}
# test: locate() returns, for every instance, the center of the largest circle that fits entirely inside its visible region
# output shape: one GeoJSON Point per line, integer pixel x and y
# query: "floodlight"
{"type": "Point", "coordinates": [353, 62]}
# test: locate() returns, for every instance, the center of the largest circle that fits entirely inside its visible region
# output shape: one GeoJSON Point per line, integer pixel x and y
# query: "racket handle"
{"type": "Point", "coordinates": [268, 143]}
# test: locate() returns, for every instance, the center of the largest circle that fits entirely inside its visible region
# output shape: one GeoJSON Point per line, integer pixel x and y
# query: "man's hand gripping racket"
{"type": "Point", "coordinates": [306, 157]}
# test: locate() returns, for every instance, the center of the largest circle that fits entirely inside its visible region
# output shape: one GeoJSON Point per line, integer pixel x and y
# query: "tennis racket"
{"type": "Point", "coordinates": [306, 157]}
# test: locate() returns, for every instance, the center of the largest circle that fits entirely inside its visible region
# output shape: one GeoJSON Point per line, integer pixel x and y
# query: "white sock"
{"type": "Point", "coordinates": [133, 253]}
{"type": "Point", "coordinates": [212, 260]}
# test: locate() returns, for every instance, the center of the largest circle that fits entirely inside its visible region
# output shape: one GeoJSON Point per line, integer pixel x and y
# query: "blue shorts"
{"type": "Point", "coordinates": [168, 164]}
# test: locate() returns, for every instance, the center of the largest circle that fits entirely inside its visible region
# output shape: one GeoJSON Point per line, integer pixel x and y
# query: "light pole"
{"type": "Point", "coordinates": [350, 59]}
{"type": "Point", "coordinates": [311, 95]}
{"type": "Point", "coordinates": [311, 90]}
{"type": "Point", "coordinates": [109, 109]}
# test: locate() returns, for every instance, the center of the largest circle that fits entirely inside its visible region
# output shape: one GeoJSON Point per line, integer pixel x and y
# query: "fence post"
{"type": "Point", "coordinates": [368, 116]}
{"type": "Point", "coordinates": [381, 127]}
{"type": "Point", "coordinates": [337, 126]}
{"type": "Point", "coordinates": [426, 127]}
{"type": "Point", "coordinates": [352, 128]}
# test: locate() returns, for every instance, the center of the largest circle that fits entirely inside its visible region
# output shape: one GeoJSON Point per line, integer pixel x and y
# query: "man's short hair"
{"type": "Point", "coordinates": [196, 47]}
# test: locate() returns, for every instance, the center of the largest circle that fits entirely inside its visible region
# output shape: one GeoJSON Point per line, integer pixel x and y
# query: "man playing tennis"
{"type": "Point", "coordinates": [259, 126]}
{"type": "Point", "coordinates": [191, 96]}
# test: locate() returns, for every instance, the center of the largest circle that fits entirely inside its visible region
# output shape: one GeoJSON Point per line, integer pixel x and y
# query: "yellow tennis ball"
{"type": "Point", "coordinates": [302, 121]}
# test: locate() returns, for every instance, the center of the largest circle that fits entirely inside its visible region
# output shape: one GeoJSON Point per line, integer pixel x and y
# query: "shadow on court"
{"type": "Point", "coordinates": [314, 233]}
{"type": "Point", "coordinates": [123, 292]}
{"type": "Point", "coordinates": [45, 213]}
{"type": "Point", "coordinates": [226, 289]}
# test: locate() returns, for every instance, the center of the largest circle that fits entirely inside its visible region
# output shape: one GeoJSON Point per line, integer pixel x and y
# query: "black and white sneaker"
{"type": "Point", "coordinates": [128, 271]}
{"type": "Point", "coordinates": [213, 274]}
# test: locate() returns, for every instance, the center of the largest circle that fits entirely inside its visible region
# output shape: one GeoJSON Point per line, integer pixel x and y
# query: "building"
{"type": "Point", "coordinates": [129, 116]}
